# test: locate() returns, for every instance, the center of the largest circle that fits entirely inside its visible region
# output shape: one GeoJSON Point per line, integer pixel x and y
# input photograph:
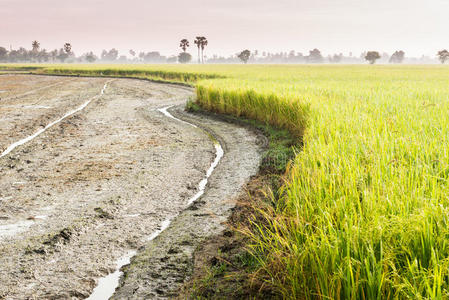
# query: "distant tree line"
{"type": "Point", "coordinates": [65, 54]}
{"type": "Point", "coordinates": [36, 54]}
{"type": "Point", "coordinates": [315, 56]}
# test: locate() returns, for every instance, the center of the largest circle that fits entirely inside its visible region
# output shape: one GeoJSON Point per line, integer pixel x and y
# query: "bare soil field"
{"type": "Point", "coordinates": [100, 182]}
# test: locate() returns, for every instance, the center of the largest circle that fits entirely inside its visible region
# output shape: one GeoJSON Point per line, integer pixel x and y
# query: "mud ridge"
{"type": "Point", "coordinates": [165, 82]}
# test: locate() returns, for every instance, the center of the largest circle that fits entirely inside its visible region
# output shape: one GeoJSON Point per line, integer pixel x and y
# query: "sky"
{"type": "Point", "coordinates": [419, 27]}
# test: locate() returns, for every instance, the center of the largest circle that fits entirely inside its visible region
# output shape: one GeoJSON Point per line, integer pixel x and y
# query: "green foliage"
{"type": "Point", "coordinates": [443, 56]}
{"type": "Point", "coordinates": [184, 57]}
{"type": "Point", "coordinates": [372, 56]}
{"type": "Point", "coordinates": [244, 56]}
{"type": "Point", "coordinates": [191, 106]}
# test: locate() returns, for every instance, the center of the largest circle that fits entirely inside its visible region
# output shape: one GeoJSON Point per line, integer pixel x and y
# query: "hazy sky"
{"type": "Point", "coordinates": [416, 26]}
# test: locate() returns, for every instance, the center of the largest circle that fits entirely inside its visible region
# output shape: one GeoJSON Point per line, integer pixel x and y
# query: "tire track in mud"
{"type": "Point", "coordinates": [30, 92]}
{"type": "Point", "coordinates": [23, 116]}
{"type": "Point", "coordinates": [11, 147]}
{"type": "Point", "coordinates": [11, 229]}
{"type": "Point", "coordinates": [108, 284]}
{"type": "Point", "coordinates": [159, 270]}
{"type": "Point", "coordinates": [116, 172]}
{"type": "Point", "coordinates": [89, 239]}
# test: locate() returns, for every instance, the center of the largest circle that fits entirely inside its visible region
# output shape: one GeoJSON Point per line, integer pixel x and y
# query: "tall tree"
{"type": "Point", "coordinates": [443, 55]}
{"type": "Point", "coordinates": [336, 58]}
{"type": "Point", "coordinates": [204, 43]}
{"type": "Point", "coordinates": [372, 56]}
{"type": "Point", "coordinates": [198, 44]}
{"type": "Point", "coordinates": [3, 54]}
{"type": "Point", "coordinates": [90, 57]}
{"type": "Point", "coordinates": [43, 56]}
{"type": "Point", "coordinates": [201, 42]}
{"type": "Point", "coordinates": [244, 56]}
{"type": "Point", "coordinates": [62, 54]}
{"type": "Point", "coordinates": [54, 55]}
{"type": "Point", "coordinates": [68, 48]}
{"type": "Point", "coordinates": [110, 55]}
{"type": "Point", "coordinates": [397, 57]}
{"type": "Point", "coordinates": [36, 45]}
{"type": "Point", "coordinates": [315, 56]}
{"type": "Point", "coordinates": [184, 57]}
{"type": "Point", "coordinates": [184, 44]}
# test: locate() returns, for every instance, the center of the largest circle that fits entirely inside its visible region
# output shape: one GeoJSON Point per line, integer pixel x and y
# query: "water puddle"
{"type": "Point", "coordinates": [202, 185]}
{"type": "Point", "coordinates": [131, 216]}
{"type": "Point", "coordinates": [39, 132]}
{"type": "Point", "coordinates": [107, 285]}
{"type": "Point", "coordinates": [164, 225]}
{"type": "Point", "coordinates": [169, 115]}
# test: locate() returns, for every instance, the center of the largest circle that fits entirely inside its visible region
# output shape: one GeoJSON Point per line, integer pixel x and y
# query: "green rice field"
{"type": "Point", "coordinates": [364, 211]}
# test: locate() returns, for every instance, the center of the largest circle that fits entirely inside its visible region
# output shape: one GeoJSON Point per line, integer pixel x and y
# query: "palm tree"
{"type": "Point", "coordinates": [204, 43]}
{"type": "Point", "coordinates": [184, 44]}
{"type": "Point", "coordinates": [198, 41]}
{"type": "Point", "coordinates": [36, 45]}
{"type": "Point", "coordinates": [201, 42]}
{"type": "Point", "coordinates": [68, 48]}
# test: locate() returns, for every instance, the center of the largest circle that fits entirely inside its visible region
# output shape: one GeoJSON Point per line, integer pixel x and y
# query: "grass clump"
{"type": "Point", "coordinates": [270, 108]}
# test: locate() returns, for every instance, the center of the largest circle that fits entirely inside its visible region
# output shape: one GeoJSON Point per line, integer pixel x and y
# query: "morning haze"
{"type": "Point", "coordinates": [230, 149]}
{"type": "Point", "coordinates": [417, 27]}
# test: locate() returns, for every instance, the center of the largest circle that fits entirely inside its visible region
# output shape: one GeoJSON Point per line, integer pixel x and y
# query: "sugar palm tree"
{"type": "Point", "coordinates": [36, 45]}
{"type": "Point", "coordinates": [184, 44]}
{"type": "Point", "coordinates": [68, 48]}
{"type": "Point", "coordinates": [201, 43]}
{"type": "Point", "coordinates": [204, 43]}
{"type": "Point", "coordinates": [198, 41]}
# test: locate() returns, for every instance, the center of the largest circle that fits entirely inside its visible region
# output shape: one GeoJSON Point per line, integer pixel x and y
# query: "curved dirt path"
{"type": "Point", "coordinates": [102, 181]}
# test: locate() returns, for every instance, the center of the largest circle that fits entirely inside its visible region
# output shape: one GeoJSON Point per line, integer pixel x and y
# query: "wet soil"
{"type": "Point", "coordinates": [101, 182]}
{"type": "Point", "coordinates": [160, 269]}
{"type": "Point", "coordinates": [28, 103]}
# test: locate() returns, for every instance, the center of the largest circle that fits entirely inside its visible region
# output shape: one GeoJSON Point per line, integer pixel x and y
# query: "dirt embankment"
{"type": "Point", "coordinates": [98, 184]}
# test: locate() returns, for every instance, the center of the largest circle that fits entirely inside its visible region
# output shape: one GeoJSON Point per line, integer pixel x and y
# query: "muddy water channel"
{"type": "Point", "coordinates": [113, 177]}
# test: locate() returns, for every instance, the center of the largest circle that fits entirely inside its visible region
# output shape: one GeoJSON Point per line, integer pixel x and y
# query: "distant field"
{"type": "Point", "coordinates": [364, 213]}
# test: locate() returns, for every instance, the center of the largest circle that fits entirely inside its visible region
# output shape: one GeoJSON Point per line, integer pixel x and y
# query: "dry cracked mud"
{"type": "Point", "coordinates": [99, 183]}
